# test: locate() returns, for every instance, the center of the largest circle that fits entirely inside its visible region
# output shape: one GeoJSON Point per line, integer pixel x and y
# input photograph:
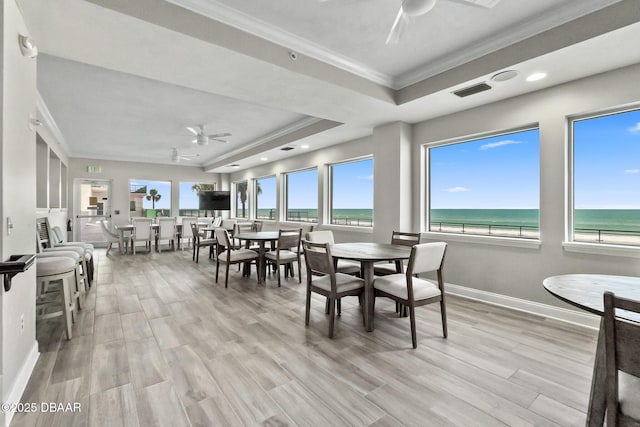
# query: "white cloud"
{"type": "Point", "coordinates": [635, 129]}
{"type": "Point", "coordinates": [632, 171]}
{"type": "Point", "coordinates": [499, 144]}
{"type": "Point", "coordinates": [457, 189]}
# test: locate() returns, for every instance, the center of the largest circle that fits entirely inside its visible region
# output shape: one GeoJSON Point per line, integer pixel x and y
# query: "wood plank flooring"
{"type": "Point", "coordinates": [160, 344]}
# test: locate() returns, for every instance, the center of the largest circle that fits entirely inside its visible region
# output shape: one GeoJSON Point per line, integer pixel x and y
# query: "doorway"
{"type": "Point", "coordinates": [92, 204]}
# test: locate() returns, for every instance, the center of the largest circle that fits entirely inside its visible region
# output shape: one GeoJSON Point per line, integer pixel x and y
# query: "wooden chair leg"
{"type": "Point", "coordinates": [326, 306]}
{"type": "Point", "coordinates": [299, 270]}
{"type": "Point", "coordinates": [193, 256]}
{"type": "Point", "coordinates": [109, 248]}
{"type": "Point", "coordinates": [306, 317]}
{"type": "Point", "coordinates": [332, 316]}
{"type": "Point", "coordinates": [412, 316]}
{"type": "Point", "coordinates": [197, 253]}
{"type": "Point", "coordinates": [339, 302]}
{"type": "Point", "coordinates": [443, 314]}
{"type": "Point", "coordinates": [68, 308]}
{"type": "Point", "coordinates": [278, 268]}
{"type": "Point", "coordinates": [226, 276]}
{"type": "Point", "coordinates": [217, 268]}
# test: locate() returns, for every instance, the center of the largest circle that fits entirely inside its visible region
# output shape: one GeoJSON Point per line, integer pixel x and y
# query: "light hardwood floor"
{"type": "Point", "coordinates": [160, 344]}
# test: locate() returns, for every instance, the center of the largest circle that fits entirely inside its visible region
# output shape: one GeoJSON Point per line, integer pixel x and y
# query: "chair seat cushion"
{"type": "Point", "coordinates": [344, 282]}
{"type": "Point", "coordinates": [206, 242]}
{"type": "Point", "coordinates": [285, 255]}
{"type": "Point", "coordinates": [238, 255]}
{"type": "Point", "coordinates": [54, 265]}
{"type": "Point", "coordinates": [629, 395]}
{"type": "Point", "coordinates": [88, 246]}
{"type": "Point", "coordinates": [348, 266]}
{"type": "Point", "coordinates": [68, 254]}
{"type": "Point", "coordinates": [76, 249]}
{"type": "Point", "coordinates": [396, 285]}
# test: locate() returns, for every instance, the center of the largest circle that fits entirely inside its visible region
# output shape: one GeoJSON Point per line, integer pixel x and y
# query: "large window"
{"type": "Point", "coordinates": [606, 178]}
{"type": "Point", "coordinates": [352, 193]}
{"type": "Point", "coordinates": [189, 203]}
{"type": "Point", "coordinates": [487, 186]}
{"type": "Point", "coordinates": [149, 199]}
{"type": "Point", "coordinates": [242, 199]}
{"type": "Point", "coordinates": [302, 195]}
{"type": "Point", "coordinates": [265, 191]}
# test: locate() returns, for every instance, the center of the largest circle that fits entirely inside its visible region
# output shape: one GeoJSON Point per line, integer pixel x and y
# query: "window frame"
{"type": "Point", "coordinates": [328, 210]}
{"type": "Point", "coordinates": [569, 243]}
{"type": "Point", "coordinates": [285, 195]}
{"type": "Point", "coordinates": [425, 194]}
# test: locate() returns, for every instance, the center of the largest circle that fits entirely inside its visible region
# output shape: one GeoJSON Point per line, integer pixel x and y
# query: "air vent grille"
{"type": "Point", "coordinates": [472, 90]}
{"type": "Point", "coordinates": [287, 148]}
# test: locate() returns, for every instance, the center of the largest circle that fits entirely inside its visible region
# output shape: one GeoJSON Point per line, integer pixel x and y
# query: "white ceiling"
{"type": "Point", "coordinates": [122, 79]}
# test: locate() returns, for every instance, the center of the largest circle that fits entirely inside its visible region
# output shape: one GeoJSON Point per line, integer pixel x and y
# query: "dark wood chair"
{"type": "Point", "coordinates": [622, 358]}
{"type": "Point", "coordinates": [228, 255]}
{"type": "Point", "coordinates": [411, 291]}
{"type": "Point", "coordinates": [200, 242]}
{"type": "Point", "coordinates": [286, 253]}
{"type": "Point", "coordinates": [397, 238]}
{"type": "Point", "coordinates": [323, 279]}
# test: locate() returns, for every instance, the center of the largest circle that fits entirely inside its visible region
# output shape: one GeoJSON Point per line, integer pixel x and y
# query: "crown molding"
{"type": "Point", "coordinates": [51, 124]}
{"type": "Point", "coordinates": [559, 15]}
{"type": "Point", "coordinates": [221, 12]}
{"type": "Point", "coordinates": [544, 22]}
{"type": "Point", "coordinates": [293, 127]}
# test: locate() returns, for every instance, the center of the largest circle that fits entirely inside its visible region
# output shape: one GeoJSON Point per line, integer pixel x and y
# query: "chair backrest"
{"type": "Point", "coordinates": [44, 232]}
{"type": "Point", "coordinates": [622, 341]}
{"type": "Point", "coordinates": [426, 257]}
{"type": "Point", "coordinates": [222, 237]}
{"type": "Point", "coordinates": [167, 228]}
{"type": "Point", "coordinates": [405, 239]}
{"type": "Point", "coordinates": [242, 227]}
{"type": "Point", "coordinates": [217, 221]}
{"type": "Point", "coordinates": [318, 258]}
{"type": "Point", "coordinates": [186, 224]}
{"type": "Point", "coordinates": [289, 239]}
{"type": "Point", "coordinates": [108, 235]}
{"type": "Point", "coordinates": [257, 225]}
{"type": "Point", "coordinates": [142, 228]}
{"type": "Point", "coordinates": [322, 236]}
{"type": "Point", "coordinates": [194, 230]}
{"type": "Point", "coordinates": [205, 219]}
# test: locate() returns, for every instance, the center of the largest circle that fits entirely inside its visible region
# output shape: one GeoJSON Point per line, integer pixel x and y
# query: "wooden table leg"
{"type": "Point", "coordinates": [367, 268]}
{"type": "Point", "coordinates": [121, 241]}
{"type": "Point", "coordinates": [598, 396]}
{"type": "Point", "coordinates": [262, 265]}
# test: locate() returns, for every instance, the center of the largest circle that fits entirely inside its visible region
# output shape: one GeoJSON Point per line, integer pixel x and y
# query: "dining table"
{"type": "Point", "coordinates": [260, 237]}
{"type": "Point", "coordinates": [586, 291]}
{"type": "Point", "coordinates": [368, 254]}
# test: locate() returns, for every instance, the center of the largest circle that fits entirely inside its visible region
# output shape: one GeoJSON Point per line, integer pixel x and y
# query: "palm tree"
{"type": "Point", "coordinates": [241, 188]}
{"type": "Point", "coordinates": [198, 187]}
{"type": "Point", "coordinates": [153, 196]}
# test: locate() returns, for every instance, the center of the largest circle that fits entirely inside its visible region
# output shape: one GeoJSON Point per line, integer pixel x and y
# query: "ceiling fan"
{"type": "Point", "coordinates": [413, 8]}
{"type": "Point", "coordinates": [203, 139]}
{"type": "Point", "coordinates": [177, 157]}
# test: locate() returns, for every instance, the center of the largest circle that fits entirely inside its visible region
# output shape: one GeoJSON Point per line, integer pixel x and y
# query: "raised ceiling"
{"type": "Point", "coordinates": [122, 78]}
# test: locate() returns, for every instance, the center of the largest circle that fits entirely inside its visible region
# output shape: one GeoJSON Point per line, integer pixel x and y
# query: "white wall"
{"type": "Point", "coordinates": [518, 272]}
{"type": "Point", "coordinates": [121, 172]}
{"type": "Point", "coordinates": [18, 202]}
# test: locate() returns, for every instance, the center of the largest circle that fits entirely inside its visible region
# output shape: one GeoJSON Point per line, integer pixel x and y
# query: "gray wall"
{"type": "Point", "coordinates": [18, 202]}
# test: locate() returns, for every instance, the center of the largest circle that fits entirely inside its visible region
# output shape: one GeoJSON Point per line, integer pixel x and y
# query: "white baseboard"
{"type": "Point", "coordinates": [20, 383]}
{"type": "Point", "coordinates": [571, 316]}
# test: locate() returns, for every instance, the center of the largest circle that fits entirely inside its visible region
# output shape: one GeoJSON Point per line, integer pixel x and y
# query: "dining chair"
{"type": "Point", "coordinates": [257, 225]}
{"type": "Point", "coordinates": [186, 231]}
{"type": "Point", "coordinates": [622, 359]}
{"type": "Point", "coordinates": [397, 238]}
{"type": "Point", "coordinates": [228, 255]}
{"type": "Point", "coordinates": [200, 242]}
{"type": "Point", "coordinates": [411, 291]}
{"type": "Point", "coordinates": [323, 279]}
{"type": "Point", "coordinates": [217, 221]}
{"type": "Point", "coordinates": [167, 231]}
{"type": "Point", "coordinates": [111, 237]}
{"type": "Point", "coordinates": [343, 265]}
{"type": "Point", "coordinates": [286, 253]}
{"type": "Point", "coordinates": [142, 232]}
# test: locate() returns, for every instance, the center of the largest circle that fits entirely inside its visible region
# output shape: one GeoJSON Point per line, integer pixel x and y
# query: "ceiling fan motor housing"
{"type": "Point", "coordinates": [417, 7]}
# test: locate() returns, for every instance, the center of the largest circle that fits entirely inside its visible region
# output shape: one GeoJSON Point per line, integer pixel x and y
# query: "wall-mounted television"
{"type": "Point", "coordinates": [215, 200]}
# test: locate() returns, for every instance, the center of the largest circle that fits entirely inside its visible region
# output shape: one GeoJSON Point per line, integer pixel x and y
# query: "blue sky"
{"type": "Point", "coordinates": [267, 200]}
{"type": "Point", "coordinates": [500, 172]}
{"type": "Point", "coordinates": [607, 162]}
{"type": "Point", "coordinates": [164, 189]}
{"type": "Point", "coordinates": [302, 189]}
{"type": "Point", "coordinates": [353, 185]}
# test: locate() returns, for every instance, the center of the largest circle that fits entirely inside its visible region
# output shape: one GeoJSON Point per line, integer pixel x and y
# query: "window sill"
{"type": "Point", "coordinates": [484, 240]}
{"type": "Point", "coordinates": [349, 228]}
{"type": "Point", "coordinates": [602, 249]}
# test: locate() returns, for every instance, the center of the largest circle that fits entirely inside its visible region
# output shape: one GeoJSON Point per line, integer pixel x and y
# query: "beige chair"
{"type": "Point", "coordinates": [287, 252]}
{"type": "Point", "coordinates": [167, 231]}
{"type": "Point", "coordinates": [53, 290]}
{"type": "Point", "coordinates": [397, 238]}
{"type": "Point", "coordinates": [326, 236]}
{"type": "Point", "coordinates": [228, 255]}
{"type": "Point", "coordinates": [413, 292]}
{"type": "Point", "coordinates": [622, 358]}
{"type": "Point", "coordinates": [112, 238]}
{"type": "Point", "coordinates": [323, 279]}
{"type": "Point", "coordinates": [142, 232]}
{"type": "Point", "coordinates": [200, 242]}
{"type": "Point", "coordinates": [186, 231]}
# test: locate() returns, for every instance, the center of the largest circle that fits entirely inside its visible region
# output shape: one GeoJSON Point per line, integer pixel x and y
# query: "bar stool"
{"type": "Point", "coordinates": [80, 292]}
{"type": "Point", "coordinates": [84, 259]}
{"type": "Point", "coordinates": [53, 274]}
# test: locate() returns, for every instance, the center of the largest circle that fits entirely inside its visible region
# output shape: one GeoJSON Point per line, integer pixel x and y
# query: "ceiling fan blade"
{"type": "Point", "coordinates": [192, 130]}
{"type": "Point", "coordinates": [195, 141]}
{"type": "Point", "coordinates": [397, 29]}
{"type": "Point", "coordinates": [219, 135]}
{"type": "Point", "coordinates": [487, 4]}
{"type": "Point", "coordinates": [219, 140]}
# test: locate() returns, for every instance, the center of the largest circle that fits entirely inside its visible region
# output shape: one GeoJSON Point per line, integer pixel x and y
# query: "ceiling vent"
{"type": "Point", "coordinates": [472, 90]}
{"type": "Point", "coordinates": [287, 148]}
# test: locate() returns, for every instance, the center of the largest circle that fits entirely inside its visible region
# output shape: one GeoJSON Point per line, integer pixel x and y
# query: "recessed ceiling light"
{"type": "Point", "coordinates": [235, 166]}
{"type": "Point", "coordinates": [536, 76]}
{"type": "Point", "coordinates": [503, 76]}
{"type": "Point", "coordinates": [263, 158]}
{"type": "Point", "coordinates": [304, 146]}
